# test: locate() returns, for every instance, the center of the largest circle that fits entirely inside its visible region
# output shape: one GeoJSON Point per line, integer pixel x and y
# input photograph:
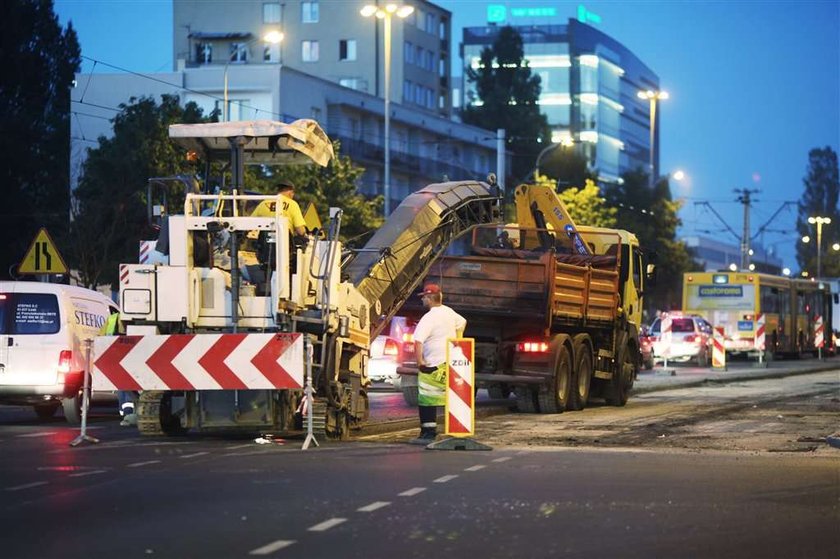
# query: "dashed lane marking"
{"type": "Point", "coordinates": [376, 505]}
{"type": "Point", "coordinates": [502, 459]}
{"type": "Point", "coordinates": [146, 463]}
{"type": "Point", "coordinates": [90, 473]}
{"type": "Point", "coordinates": [40, 434]}
{"type": "Point", "coordinates": [194, 455]}
{"type": "Point", "coordinates": [237, 447]}
{"type": "Point", "coordinates": [444, 479]}
{"type": "Point", "coordinates": [26, 486]}
{"type": "Point", "coordinates": [271, 548]}
{"type": "Point", "coordinates": [412, 492]}
{"type": "Point", "coordinates": [326, 525]}
{"type": "Point", "coordinates": [475, 468]}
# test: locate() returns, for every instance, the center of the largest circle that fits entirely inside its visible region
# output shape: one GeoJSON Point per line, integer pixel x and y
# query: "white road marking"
{"type": "Point", "coordinates": [412, 492]}
{"type": "Point", "coordinates": [326, 525]}
{"type": "Point", "coordinates": [146, 463]}
{"type": "Point", "coordinates": [475, 468]}
{"type": "Point", "coordinates": [26, 486]}
{"type": "Point", "coordinates": [502, 459]}
{"type": "Point", "coordinates": [194, 455]}
{"type": "Point", "coordinates": [237, 447]}
{"type": "Point", "coordinates": [33, 435]}
{"type": "Point", "coordinates": [376, 505]}
{"type": "Point", "coordinates": [271, 548]}
{"type": "Point", "coordinates": [90, 473]}
{"type": "Point", "coordinates": [444, 479]}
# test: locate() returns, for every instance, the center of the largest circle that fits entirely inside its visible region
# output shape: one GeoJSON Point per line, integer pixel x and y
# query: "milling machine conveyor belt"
{"type": "Point", "coordinates": [399, 255]}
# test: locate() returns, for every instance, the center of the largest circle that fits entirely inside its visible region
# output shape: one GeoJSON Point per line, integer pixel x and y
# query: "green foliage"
{"type": "Point", "coordinates": [819, 198]}
{"type": "Point", "coordinates": [652, 215]}
{"type": "Point", "coordinates": [509, 94]}
{"type": "Point", "coordinates": [110, 202]}
{"type": "Point", "coordinates": [330, 186]}
{"type": "Point", "coordinates": [586, 205]}
{"type": "Point", "coordinates": [40, 61]}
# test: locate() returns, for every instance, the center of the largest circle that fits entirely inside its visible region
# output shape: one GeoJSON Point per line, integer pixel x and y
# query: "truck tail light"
{"type": "Point", "coordinates": [532, 347]}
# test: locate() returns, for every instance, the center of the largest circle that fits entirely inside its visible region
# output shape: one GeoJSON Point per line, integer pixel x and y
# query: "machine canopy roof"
{"type": "Point", "coordinates": [268, 142]}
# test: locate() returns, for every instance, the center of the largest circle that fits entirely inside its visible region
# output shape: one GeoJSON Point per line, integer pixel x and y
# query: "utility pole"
{"type": "Point", "coordinates": [744, 198]}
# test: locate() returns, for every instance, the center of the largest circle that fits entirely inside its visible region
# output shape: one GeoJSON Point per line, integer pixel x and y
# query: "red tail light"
{"type": "Point", "coordinates": [65, 359]}
{"type": "Point", "coordinates": [532, 347]}
{"type": "Point", "coordinates": [391, 348]}
{"type": "Point", "coordinates": [692, 338]}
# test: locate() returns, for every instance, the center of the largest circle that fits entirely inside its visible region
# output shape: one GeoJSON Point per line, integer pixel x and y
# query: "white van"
{"type": "Point", "coordinates": [42, 354]}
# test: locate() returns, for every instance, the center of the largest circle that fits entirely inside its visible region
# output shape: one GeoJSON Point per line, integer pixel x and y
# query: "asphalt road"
{"type": "Point", "coordinates": [637, 497]}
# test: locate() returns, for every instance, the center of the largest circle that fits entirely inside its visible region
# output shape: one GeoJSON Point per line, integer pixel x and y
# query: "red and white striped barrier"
{"type": "Point", "coordinates": [198, 362]}
{"type": "Point", "coordinates": [146, 248]}
{"type": "Point", "coordinates": [460, 391]}
{"type": "Point", "coordinates": [666, 337]}
{"type": "Point", "coordinates": [759, 333]}
{"type": "Point", "coordinates": [819, 333]}
{"type": "Point", "coordinates": [718, 349]}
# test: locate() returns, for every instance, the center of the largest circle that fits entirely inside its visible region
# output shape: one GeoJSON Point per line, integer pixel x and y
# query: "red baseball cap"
{"type": "Point", "coordinates": [430, 289]}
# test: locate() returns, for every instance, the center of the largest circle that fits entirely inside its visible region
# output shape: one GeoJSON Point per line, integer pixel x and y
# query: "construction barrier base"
{"type": "Point", "coordinates": [458, 443]}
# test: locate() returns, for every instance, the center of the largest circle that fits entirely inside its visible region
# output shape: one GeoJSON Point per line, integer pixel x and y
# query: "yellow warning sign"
{"type": "Point", "coordinates": [310, 216]}
{"type": "Point", "coordinates": [42, 257]}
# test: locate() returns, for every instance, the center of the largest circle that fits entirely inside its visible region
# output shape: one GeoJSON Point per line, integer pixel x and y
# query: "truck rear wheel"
{"type": "Point", "coordinates": [582, 377]}
{"type": "Point", "coordinates": [618, 390]}
{"type": "Point", "coordinates": [526, 399]}
{"type": "Point", "coordinates": [555, 397]}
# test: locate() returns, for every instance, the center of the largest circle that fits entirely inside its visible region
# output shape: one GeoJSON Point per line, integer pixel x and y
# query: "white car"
{"type": "Point", "coordinates": [691, 339]}
{"type": "Point", "coordinates": [384, 358]}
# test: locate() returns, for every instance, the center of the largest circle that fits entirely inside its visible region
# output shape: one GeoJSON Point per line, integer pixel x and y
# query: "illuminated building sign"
{"type": "Point", "coordinates": [497, 13]}
{"type": "Point", "coordinates": [585, 16]}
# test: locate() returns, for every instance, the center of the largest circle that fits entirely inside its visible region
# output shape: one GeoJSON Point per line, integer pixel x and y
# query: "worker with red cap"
{"type": "Point", "coordinates": [437, 325]}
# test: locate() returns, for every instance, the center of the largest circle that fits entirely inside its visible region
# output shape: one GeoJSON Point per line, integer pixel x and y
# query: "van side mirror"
{"type": "Point", "coordinates": [650, 275]}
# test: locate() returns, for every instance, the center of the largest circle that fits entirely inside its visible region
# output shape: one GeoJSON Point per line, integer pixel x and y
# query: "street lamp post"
{"type": "Point", "coordinates": [819, 221]}
{"type": "Point", "coordinates": [653, 97]}
{"type": "Point", "coordinates": [385, 13]}
{"type": "Point", "coordinates": [272, 37]}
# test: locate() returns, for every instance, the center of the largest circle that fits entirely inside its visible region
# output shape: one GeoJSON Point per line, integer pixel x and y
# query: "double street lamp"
{"type": "Point", "coordinates": [819, 221]}
{"type": "Point", "coordinates": [653, 97]}
{"type": "Point", "coordinates": [272, 37]}
{"type": "Point", "coordinates": [385, 13]}
{"type": "Point", "coordinates": [565, 143]}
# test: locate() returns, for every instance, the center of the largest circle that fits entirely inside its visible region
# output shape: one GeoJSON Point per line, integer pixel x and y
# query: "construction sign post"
{"type": "Point", "coordinates": [460, 397]}
{"type": "Point", "coordinates": [42, 257]}
{"type": "Point", "coordinates": [718, 350]}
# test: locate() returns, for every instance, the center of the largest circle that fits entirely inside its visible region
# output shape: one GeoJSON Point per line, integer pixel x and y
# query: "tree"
{"type": "Point", "coordinates": [508, 94]}
{"type": "Point", "coordinates": [40, 61]}
{"type": "Point", "coordinates": [330, 186]}
{"type": "Point", "coordinates": [586, 205]}
{"type": "Point", "coordinates": [110, 203]}
{"type": "Point", "coordinates": [822, 188]}
{"type": "Point", "coordinates": [652, 215]}
{"type": "Point", "coordinates": [566, 166]}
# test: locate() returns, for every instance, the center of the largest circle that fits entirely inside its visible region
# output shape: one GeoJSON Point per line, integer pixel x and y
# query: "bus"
{"type": "Point", "coordinates": [734, 300]}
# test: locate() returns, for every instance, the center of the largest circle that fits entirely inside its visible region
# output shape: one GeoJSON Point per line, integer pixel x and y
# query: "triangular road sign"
{"type": "Point", "coordinates": [42, 257]}
{"type": "Point", "coordinates": [310, 216]}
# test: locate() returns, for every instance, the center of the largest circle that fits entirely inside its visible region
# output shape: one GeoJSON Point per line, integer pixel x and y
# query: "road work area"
{"type": "Point", "coordinates": [791, 406]}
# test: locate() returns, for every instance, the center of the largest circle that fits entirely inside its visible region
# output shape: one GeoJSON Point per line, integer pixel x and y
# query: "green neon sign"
{"type": "Point", "coordinates": [585, 16]}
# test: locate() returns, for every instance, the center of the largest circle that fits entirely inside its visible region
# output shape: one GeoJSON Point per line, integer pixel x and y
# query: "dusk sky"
{"type": "Point", "coordinates": [754, 86]}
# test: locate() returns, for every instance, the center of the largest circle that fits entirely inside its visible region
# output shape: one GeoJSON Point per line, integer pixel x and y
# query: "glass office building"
{"type": "Point", "coordinates": [590, 83]}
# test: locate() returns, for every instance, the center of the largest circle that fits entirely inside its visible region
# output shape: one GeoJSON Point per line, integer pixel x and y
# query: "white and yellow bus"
{"type": "Point", "coordinates": [734, 300]}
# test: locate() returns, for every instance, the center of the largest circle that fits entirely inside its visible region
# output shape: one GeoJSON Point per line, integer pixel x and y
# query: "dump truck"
{"type": "Point", "coordinates": [215, 324]}
{"type": "Point", "coordinates": [555, 309]}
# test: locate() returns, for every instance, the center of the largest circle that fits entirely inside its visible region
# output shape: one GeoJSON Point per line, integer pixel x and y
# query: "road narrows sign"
{"type": "Point", "coordinates": [42, 257]}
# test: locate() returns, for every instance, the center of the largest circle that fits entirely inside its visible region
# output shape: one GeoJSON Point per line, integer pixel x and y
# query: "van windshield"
{"type": "Point", "coordinates": [29, 313]}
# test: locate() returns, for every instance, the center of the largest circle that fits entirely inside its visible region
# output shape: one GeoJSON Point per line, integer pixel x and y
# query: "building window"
{"type": "Point", "coordinates": [418, 56]}
{"type": "Point", "coordinates": [442, 31]}
{"type": "Point", "coordinates": [309, 12]}
{"type": "Point", "coordinates": [309, 51]}
{"type": "Point", "coordinates": [442, 102]}
{"type": "Point", "coordinates": [347, 49]}
{"type": "Point", "coordinates": [204, 53]}
{"type": "Point", "coordinates": [406, 91]}
{"type": "Point", "coordinates": [271, 12]}
{"type": "Point", "coordinates": [408, 52]}
{"type": "Point", "coordinates": [430, 23]}
{"type": "Point", "coordinates": [238, 52]}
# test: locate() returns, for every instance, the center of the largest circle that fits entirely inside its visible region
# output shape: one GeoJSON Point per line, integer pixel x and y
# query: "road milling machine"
{"type": "Point", "coordinates": [214, 334]}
